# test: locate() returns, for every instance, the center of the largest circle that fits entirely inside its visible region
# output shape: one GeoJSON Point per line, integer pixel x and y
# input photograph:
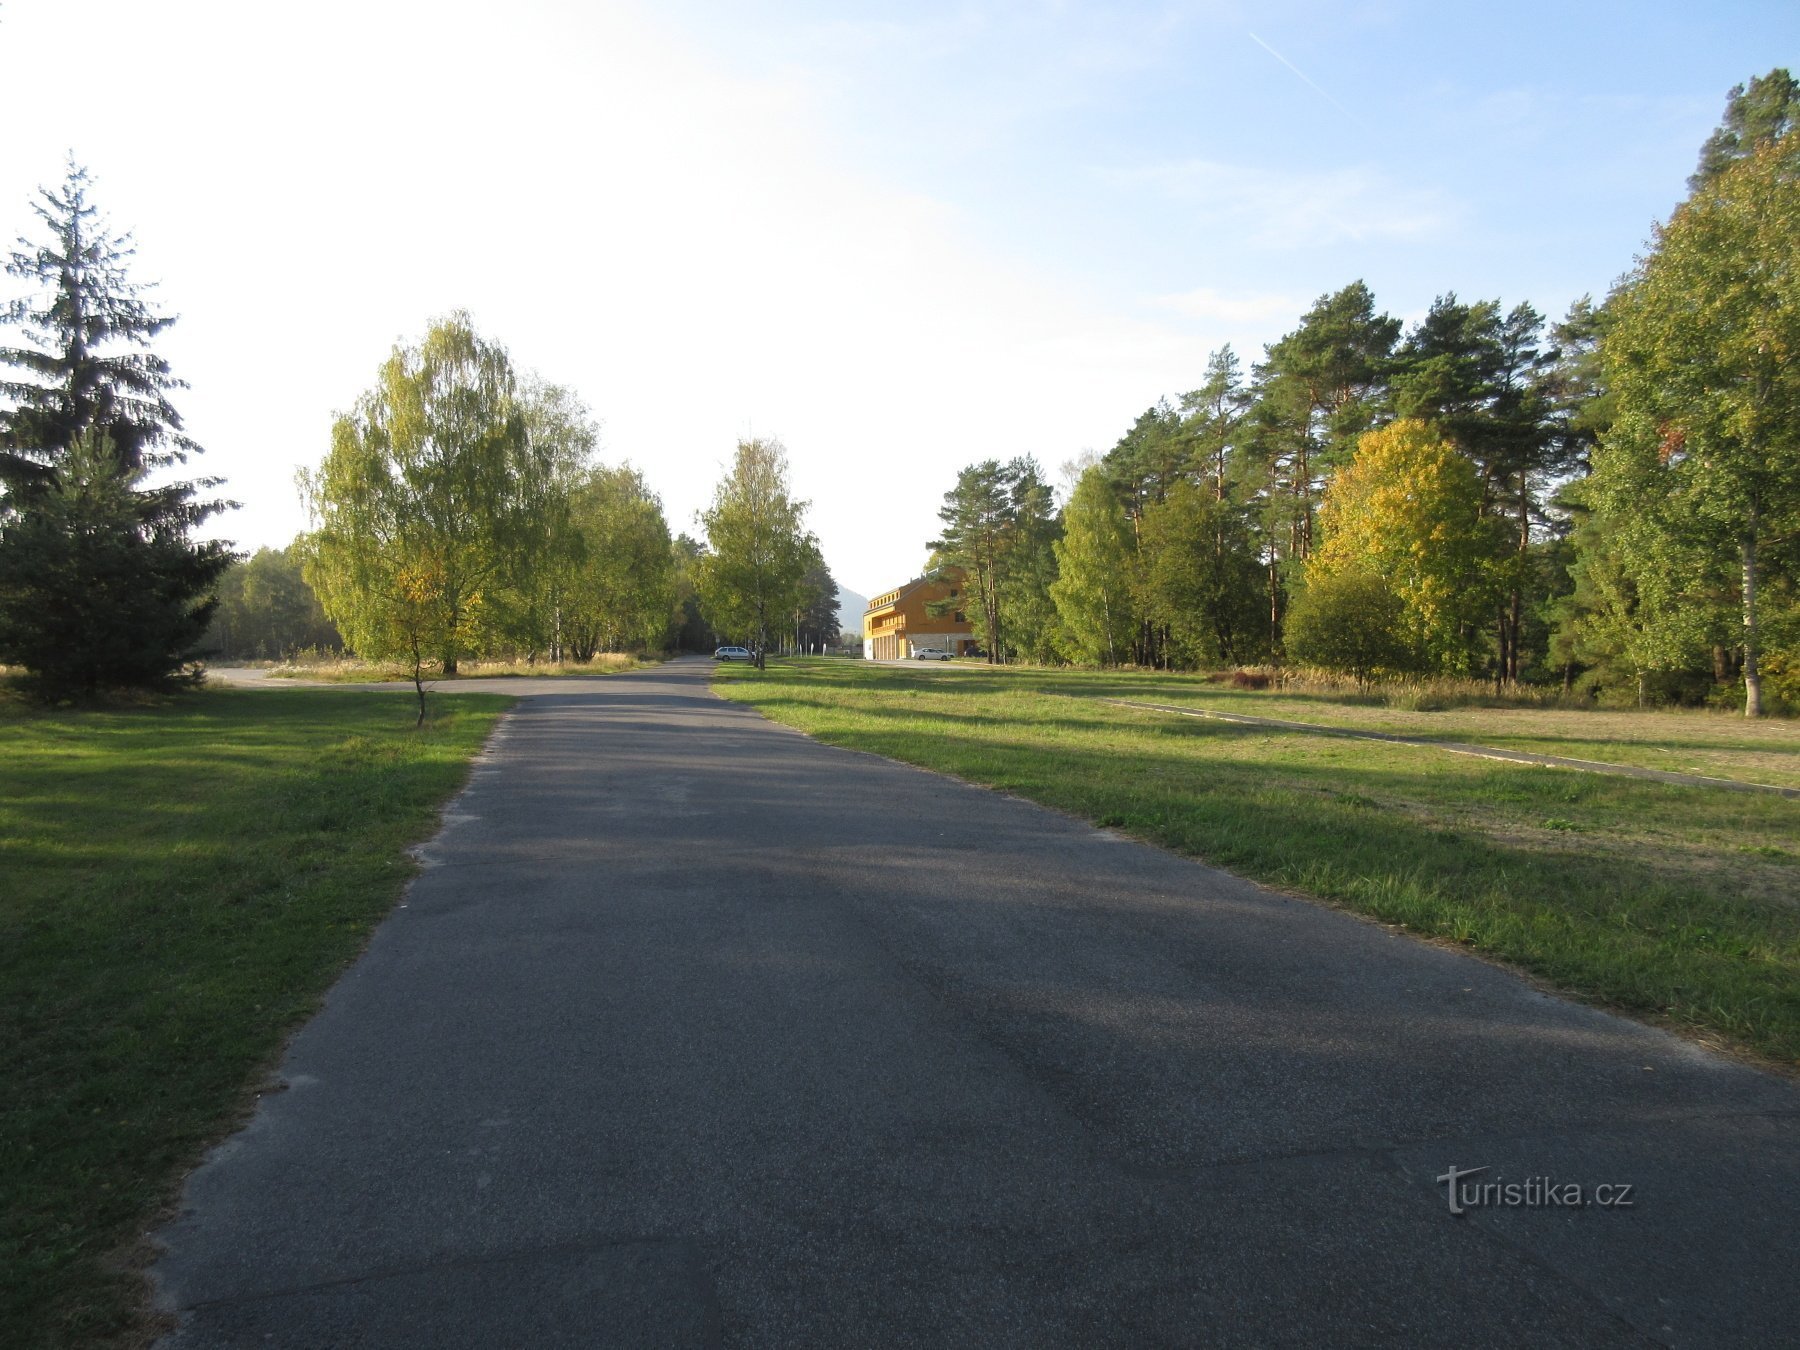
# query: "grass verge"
{"type": "Point", "coordinates": [1680, 904]}
{"type": "Point", "coordinates": [183, 882]}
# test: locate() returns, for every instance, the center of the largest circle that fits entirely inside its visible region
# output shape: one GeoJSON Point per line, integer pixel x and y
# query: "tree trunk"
{"type": "Point", "coordinates": [1516, 615]}
{"type": "Point", "coordinates": [1274, 610]}
{"type": "Point", "coordinates": [1303, 486]}
{"type": "Point", "coordinates": [418, 667]}
{"type": "Point", "coordinates": [1504, 662]}
{"type": "Point", "coordinates": [1515, 627]}
{"type": "Point", "coordinates": [1752, 676]}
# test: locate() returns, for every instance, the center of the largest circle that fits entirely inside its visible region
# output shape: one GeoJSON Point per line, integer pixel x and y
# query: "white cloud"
{"type": "Point", "coordinates": [1280, 209]}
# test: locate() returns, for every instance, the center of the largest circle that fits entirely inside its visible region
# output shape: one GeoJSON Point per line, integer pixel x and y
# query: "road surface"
{"type": "Point", "coordinates": [695, 1032]}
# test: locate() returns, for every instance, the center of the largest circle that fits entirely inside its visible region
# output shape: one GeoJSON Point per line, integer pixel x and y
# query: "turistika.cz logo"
{"type": "Point", "coordinates": [1531, 1193]}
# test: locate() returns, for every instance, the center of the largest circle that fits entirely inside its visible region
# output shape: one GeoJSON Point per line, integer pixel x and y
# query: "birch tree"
{"type": "Point", "coordinates": [758, 546]}
{"type": "Point", "coordinates": [414, 507]}
{"type": "Point", "coordinates": [1092, 590]}
{"type": "Point", "coordinates": [1704, 359]}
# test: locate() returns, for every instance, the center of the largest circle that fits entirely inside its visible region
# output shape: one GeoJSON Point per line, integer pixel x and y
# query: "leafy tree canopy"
{"type": "Point", "coordinates": [417, 508]}
{"type": "Point", "coordinates": [1352, 621]}
{"type": "Point", "coordinates": [1093, 592]}
{"type": "Point", "coordinates": [758, 546]}
{"type": "Point", "coordinates": [1408, 507]}
{"type": "Point", "coordinates": [1704, 453]}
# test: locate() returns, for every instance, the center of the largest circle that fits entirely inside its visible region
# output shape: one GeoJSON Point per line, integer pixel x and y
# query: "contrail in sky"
{"type": "Point", "coordinates": [1307, 78]}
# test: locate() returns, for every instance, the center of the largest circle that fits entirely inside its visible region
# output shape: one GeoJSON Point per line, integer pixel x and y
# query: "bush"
{"type": "Point", "coordinates": [1350, 621]}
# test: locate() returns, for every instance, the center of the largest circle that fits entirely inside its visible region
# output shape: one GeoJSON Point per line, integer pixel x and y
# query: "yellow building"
{"type": "Point", "coordinates": [899, 624]}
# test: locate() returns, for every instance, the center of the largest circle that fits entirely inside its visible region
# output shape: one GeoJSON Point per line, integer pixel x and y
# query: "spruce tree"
{"type": "Point", "coordinates": [100, 583]}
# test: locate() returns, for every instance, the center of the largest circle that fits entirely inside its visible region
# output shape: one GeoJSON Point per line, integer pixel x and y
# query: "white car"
{"type": "Point", "coordinates": [930, 654]}
{"type": "Point", "coordinates": [733, 654]}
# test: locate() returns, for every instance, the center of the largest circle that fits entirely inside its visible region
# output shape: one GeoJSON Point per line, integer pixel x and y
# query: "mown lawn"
{"type": "Point", "coordinates": [181, 884]}
{"type": "Point", "coordinates": [1681, 904]}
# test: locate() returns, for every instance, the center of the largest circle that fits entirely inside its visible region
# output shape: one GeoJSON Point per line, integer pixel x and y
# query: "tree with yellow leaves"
{"type": "Point", "coordinates": [1408, 508]}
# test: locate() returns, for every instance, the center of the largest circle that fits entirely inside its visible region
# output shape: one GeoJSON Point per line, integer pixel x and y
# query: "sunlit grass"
{"type": "Point", "coordinates": [1684, 740]}
{"type": "Point", "coordinates": [182, 882]}
{"type": "Point", "coordinates": [1678, 903]}
{"type": "Point", "coordinates": [350, 670]}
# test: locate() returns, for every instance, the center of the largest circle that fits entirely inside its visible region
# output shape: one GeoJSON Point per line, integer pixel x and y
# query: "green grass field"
{"type": "Point", "coordinates": [182, 883]}
{"type": "Point", "coordinates": [1679, 904]}
{"type": "Point", "coordinates": [1682, 740]}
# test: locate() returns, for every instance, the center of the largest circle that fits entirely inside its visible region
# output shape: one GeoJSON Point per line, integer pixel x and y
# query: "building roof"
{"type": "Point", "coordinates": [888, 599]}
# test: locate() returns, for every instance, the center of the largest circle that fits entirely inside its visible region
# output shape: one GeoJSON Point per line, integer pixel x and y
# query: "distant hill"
{"type": "Point", "coordinates": [850, 612]}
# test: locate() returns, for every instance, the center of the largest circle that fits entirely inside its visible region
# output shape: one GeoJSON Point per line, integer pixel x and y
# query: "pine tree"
{"type": "Point", "coordinates": [977, 519]}
{"type": "Point", "coordinates": [1322, 386]}
{"type": "Point", "coordinates": [1028, 566]}
{"type": "Point", "coordinates": [816, 624]}
{"type": "Point", "coordinates": [100, 584]}
{"type": "Point", "coordinates": [1201, 578]}
{"type": "Point", "coordinates": [1481, 375]}
{"type": "Point", "coordinates": [1764, 110]}
{"type": "Point", "coordinates": [1000, 529]}
{"type": "Point", "coordinates": [1213, 413]}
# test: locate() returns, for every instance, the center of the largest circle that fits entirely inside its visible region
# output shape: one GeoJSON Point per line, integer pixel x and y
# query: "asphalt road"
{"type": "Point", "coordinates": [696, 1032]}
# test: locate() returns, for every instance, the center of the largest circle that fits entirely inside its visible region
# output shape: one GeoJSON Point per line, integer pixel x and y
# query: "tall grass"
{"type": "Point", "coordinates": [350, 669]}
{"type": "Point", "coordinates": [1412, 693]}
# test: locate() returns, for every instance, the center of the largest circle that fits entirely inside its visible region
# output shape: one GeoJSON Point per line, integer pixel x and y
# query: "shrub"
{"type": "Point", "coordinates": [1351, 621]}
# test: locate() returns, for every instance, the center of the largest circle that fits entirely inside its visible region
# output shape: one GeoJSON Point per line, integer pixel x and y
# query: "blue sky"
{"type": "Point", "coordinates": [900, 237]}
{"type": "Point", "coordinates": [1157, 150]}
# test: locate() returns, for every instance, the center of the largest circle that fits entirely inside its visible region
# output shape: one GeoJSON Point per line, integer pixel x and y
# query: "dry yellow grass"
{"type": "Point", "coordinates": [350, 670]}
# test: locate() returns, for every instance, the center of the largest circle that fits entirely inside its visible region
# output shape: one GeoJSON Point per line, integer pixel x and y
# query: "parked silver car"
{"type": "Point", "coordinates": [732, 654]}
